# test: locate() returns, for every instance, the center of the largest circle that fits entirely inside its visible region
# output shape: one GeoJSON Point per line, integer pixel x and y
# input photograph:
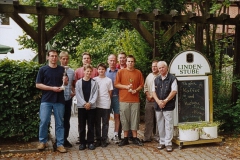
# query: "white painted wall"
{"type": "Point", "coordinates": [8, 36]}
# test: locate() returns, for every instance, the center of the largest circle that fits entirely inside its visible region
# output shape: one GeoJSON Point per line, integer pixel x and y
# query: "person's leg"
{"type": "Point", "coordinates": [67, 116]}
{"type": "Point", "coordinates": [161, 127]}
{"type": "Point", "coordinates": [105, 126]}
{"type": "Point", "coordinates": [168, 115]}
{"type": "Point", "coordinates": [149, 120]}
{"type": "Point", "coordinates": [98, 122]}
{"type": "Point", "coordinates": [105, 123]}
{"type": "Point", "coordinates": [125, 121]}
{"type": "Point", "coordinates": [82, 118]}
{"type": "Point", "coordinates": [58, 110]}
{"type": "Point", "coordinates": [45, 117]}
{"type": "Point", "coordinates": [90, 122]}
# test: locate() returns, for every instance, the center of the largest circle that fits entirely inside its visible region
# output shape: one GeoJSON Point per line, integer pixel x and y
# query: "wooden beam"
{"type": "Point", "coordinates": [24, 25]}
{"type": "Point", "coordinates": [58, 27]}
{"type": "Point", "coordinates": [143, 32]}
{"type": "Point", "coordinates": [171, 31]}
{"type": "Point", "coordinates": [199, 37]}
{"type": "Point", "coordinates": [84, 13]}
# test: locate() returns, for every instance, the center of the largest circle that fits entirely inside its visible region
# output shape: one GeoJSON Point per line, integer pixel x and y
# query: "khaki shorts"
{"type": "Point", "coordinates": [130, 116]}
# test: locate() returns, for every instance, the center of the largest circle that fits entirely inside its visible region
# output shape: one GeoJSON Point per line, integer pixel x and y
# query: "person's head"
{"type": "Point", "coordinates": [64, 58]}
{"type": "Point", "coordinates": [154, 67]}
{"type": "Point", "coordinates": [130, 62]}
{"type": "Point", "coordinates": [101, 67]}
{"type": "Point", "coordinates": [87, 70]}
{"type": "Point", "coordinates": [112, 60]}
{"type": "Point", "coordinates": [162, 68]}
{"type": "Point", "coordinates": [86, 58]}
{"type": "Point", "coordinates": [122, 58]}
{"type": "Point", "coordinates": [52, 57]}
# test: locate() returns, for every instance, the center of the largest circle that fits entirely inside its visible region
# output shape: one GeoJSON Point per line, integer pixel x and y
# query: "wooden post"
{"type": "Point", "coordinates": [236, 59]}
{"type": "Point", "coordinates": [41, 39]}
{"type": "Point", "coordinates": [199, 37]}
{"type": "Point", "coordinates": [156, 30]}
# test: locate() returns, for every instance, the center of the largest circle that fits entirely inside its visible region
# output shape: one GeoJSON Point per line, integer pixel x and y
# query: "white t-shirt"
{"type": "Point", "coordinates": [104, 86]}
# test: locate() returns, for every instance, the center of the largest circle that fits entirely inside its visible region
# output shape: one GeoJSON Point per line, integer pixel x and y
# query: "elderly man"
{"type": "Point", "coordinates": [164, 92]}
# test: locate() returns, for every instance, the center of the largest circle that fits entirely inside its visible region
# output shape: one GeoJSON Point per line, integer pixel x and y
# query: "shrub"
{"type": "Point", "coordinates": [19, 99]}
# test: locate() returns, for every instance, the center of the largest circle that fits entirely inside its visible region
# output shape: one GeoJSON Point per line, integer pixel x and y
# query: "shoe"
{"type": "Point", "coordinates": [146, 141]}
{"type": "Point", "coordinates": [61, 149]}
{"type": "Point", "coordinates": [78, 141]}
{"type": "Point", "coordinates": [137, 142]}
{"type": "Point", "coordinates": [115, 139]}
{"type": "Point", "coordinates": [169, 148]}
{"type": "Point", "coordinates": [91, 146]}
{"type": "Point", "coordinates": [130, 138]}
{"type": "Point", "coordinates": [123, 142]}
{"type": "Point", "coordinates": [104, 143]}
{"type": "Point", "coordinates": [42, 146]}
{"type": "Point", "coordinates": [97, 143]}
{"type": "Point", "coordinates": [161, 146]}
{"type": "Point", "coordinates": [67, 144]}
{"type": "Point", "coordinates": [82, 146]}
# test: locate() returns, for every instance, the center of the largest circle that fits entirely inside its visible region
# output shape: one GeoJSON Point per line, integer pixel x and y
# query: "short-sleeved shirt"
{"type": "Point", "coordinates": [104, 86]}
{"type": "Point", "coordinates": [127, 77]}
{"type": "Point", "coordinates": [112, 75]}
{"type": "Point", "coordinates": [79, 73]}
{"type": "Point", "coordinates": [68, 88]}
{"type": "Point", "coordinates": [51, 77]}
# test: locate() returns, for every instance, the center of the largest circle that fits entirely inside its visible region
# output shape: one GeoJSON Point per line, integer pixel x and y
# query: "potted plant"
{"type": "Point", "coordinates": [188, 131]}
{"type": "Point", "coordinates": [209, 130]}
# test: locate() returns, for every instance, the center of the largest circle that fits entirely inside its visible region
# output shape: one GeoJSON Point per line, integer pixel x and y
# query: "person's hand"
{"type": "Point", "coordinates": [149, 98]}
{"type": "Point", "coordinates": [65, 79]}
{"type": "Point", "coordinates": [56, 89]}
{"type": "Point", "coordinates": [87, 106]}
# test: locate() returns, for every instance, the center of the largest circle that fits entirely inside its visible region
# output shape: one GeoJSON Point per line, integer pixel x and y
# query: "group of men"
{"type": "Point", "coordinates": [160, 88]}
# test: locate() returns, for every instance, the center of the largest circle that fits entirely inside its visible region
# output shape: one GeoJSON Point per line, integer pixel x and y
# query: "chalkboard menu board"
{"type": "Point", "coordinates": [191, 101]}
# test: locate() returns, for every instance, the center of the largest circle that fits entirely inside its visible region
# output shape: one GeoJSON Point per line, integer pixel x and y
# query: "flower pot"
{"type": "Point", "coordinates": [209, 132]}
{"type": "Point", "coordinates": [189, 134]}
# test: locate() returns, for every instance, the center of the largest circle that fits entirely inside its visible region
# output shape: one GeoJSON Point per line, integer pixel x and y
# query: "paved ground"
{"type": "Point", "coordinates": [148, 151]}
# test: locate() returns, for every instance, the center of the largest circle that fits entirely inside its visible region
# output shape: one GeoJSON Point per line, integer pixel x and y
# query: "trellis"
{"type": "Point", "coordinates": [41, 36]}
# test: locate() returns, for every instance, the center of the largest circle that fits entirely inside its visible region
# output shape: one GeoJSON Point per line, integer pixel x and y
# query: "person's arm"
{"type": "Point", "coordinates": [48, 88]}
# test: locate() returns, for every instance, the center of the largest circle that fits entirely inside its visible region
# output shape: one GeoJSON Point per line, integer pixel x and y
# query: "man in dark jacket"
{"type": "Point", "coordinates": [164, 93]}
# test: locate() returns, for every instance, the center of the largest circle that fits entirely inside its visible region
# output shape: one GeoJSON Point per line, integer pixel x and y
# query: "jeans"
{"type": "Point", "coordinates": [102, 117]}
{"type": "Point", "coordinates": [86, 117]}
{"type": "Point", "coordinates": [67, 116]}
{"type": "Point", "coordinates": [45, 117]}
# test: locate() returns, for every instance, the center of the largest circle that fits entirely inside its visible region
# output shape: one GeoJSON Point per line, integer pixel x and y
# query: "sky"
{"type": "Point", "coordinates": [8, 36]}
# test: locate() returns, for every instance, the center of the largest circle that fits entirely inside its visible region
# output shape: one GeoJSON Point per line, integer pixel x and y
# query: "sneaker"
{"type": "Point", "coordinates": [115, 139]}
{"type": "Point", "coordinates": [61, 149]}
{"type": "Point", "coordinates": [123, 142]}
{"type": "Point", "coordinates": [137, 141]}
{"type": "Point", "coordinates": [169, 148]}
{"type": "Point", "coordinates": [67, 144]}
{"type": "Point", "coordinates": [91, 146]}
{"type": "Point", "coordinates": [42, 146]}
{"type": "Point", "coordinates": [130, 138]}
{"type": "Point", "coordinates": [78, 141]}
{"type": "Point", "coordinates": [82, 146]}
{"type": "Point", "coordinates": [161, 146]}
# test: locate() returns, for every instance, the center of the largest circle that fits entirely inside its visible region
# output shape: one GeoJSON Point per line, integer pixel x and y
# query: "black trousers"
{"type": "Point", "coordinates": [86, 117]}
{"type": "Point", "coordinates": [102, 123]}
{"type": "Point", "coordinates": [67, 116]}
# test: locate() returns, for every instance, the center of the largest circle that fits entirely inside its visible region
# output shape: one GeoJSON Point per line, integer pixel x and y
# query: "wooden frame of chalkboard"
{"type": "Point", "coordinates": [192, 100]}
